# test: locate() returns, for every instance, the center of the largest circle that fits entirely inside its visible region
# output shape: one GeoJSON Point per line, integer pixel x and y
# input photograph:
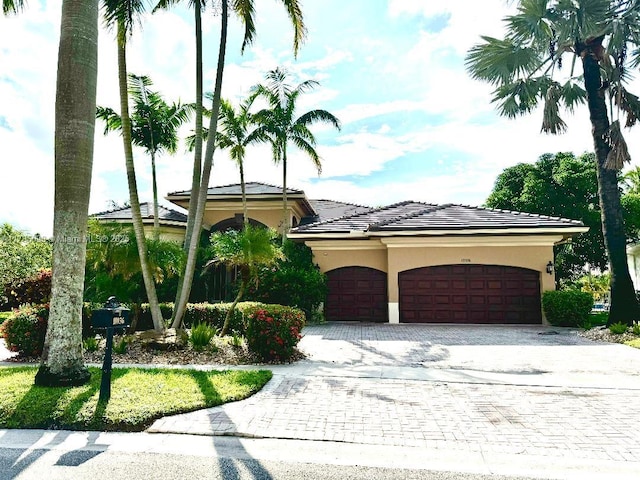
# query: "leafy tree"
{"type": "Point", "coordinates": [631, 181]}
{"type": "Point", "coordinates": [123, 14]}
{"type": "Point", "coordinates": [23, 255]}
{"type": "Point", "coordinates": [597, 285]}
{"type": "Point", "coordinates": [246, 251]}
{"type": "Point", "coordinates": [601, 36]}
{"type": "Point", "coordinates": [282, 126]}
{"type": "Point", "coordinates": [154, 126]}
{"type": "Point", "coordinates": [244, 9]}
{"type": "Point", "coordinates": [62, 361]}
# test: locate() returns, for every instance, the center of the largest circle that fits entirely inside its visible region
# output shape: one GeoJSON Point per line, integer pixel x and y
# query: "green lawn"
{"type": "Point", "coordinates": [138, 397]}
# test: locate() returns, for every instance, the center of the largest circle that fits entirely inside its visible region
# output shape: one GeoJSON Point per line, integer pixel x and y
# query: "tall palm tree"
{"type": "Point", "coordinates": [282, 126]}
{"type": "Point", "coordinates": [235, 135]}
{"type": "Point", "coordinates": [62, 362]}
{"type": "Point", "coordinates": [601, 36]}
{"type": "Point", "coordinates": [12, 6]}
{"type": "Point", "coordinates": [154, 126]}
{"type": "Point", "coordinates": [123, 14]}
{"type": "Point", "coordinates": [244, 9]}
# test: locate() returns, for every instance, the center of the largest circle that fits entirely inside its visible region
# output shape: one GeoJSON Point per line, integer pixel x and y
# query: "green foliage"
{"type": "Point", "coordinates": [4, 316]}
{"type": "Point", "coordinates": [236, 340]}
{"type": "Point", "coordinates": [597, 285]}
{"type": "Point", "coordinates": [90, 344]}
{"type": "Point", "coordinates": [22, 256]}
{"type": "Point", "coordinates": [247, 249]}
{"type": "Point", "coordinates": [618, 328]}
{"type": "Point", "coordinates": [273, 331]}
{"type": "Point", "coordinates": [636, 328]}
{"type": "Point", "coordinates": [294, 281]}
{"type": "Point", "coordinates": [34, 289]}
{"type": "Point", "coordinates": [567, 308]}
{"type": "Point", "coordinates": [210, 313]}
{"type": "Point", "coordinates": [25, 329]}
{"type": "Point", "coordinates": [138, 397]}
{"type": "Point", "coordinates": [596, 320]}
{"type": "Point", "coordinates": [113, 265]}
{"type": "Point", "coordinates": [201, 335]}
{"type": "Point", "coordinates": [563, 185]}
{"type": "Point", "coordinates": [120, 345]}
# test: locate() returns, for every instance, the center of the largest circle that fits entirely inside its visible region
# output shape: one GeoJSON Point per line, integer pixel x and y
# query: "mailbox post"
{"type": "Point", "coordinates": [113, 316]}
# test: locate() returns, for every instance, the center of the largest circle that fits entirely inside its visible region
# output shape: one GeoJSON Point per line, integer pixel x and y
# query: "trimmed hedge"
{"type": "Point", "coordinates": [273, 331]}
{"type": "Point", "coordinates": [567, 308]}
{"type": "Point", "coordinates": [25, 329]}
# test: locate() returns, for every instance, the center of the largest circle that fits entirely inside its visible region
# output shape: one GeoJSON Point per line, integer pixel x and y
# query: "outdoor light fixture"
{"type": "Point", "coordinates": [550, 267]}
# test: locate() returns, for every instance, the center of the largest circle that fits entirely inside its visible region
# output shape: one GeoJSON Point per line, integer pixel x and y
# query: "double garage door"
{"type": "Point", "coordinates": [442, 294]}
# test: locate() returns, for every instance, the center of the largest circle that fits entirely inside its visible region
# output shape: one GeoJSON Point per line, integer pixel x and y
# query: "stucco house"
{"type": "Point", "coordinates": [410, 262]}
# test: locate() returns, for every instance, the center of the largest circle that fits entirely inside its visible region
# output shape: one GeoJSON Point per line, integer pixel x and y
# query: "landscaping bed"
{"type": "Point", "coordinates": [603, 334]}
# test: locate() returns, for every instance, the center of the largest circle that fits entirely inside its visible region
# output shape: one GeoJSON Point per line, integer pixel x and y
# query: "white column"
{"type": "Point", "coordinates": [394, 312]}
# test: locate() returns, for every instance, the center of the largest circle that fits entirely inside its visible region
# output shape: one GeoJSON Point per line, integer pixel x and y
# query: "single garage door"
{"type": "Point", "coordinates": [357, 293]}
{"type": "Point", "coordinates": [470, 294]}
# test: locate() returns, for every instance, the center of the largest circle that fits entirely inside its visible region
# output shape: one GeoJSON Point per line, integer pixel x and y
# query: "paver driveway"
{"type": "Point", "coordinates": [520, 390]}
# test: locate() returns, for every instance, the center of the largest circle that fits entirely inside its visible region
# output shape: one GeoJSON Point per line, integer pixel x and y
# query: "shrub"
{"type": "Point", "coordinates": [35, 289]}
{"type": "Point", "coordinates": [25, 330]}
{"type": "Point", "coordinates": [273, 331]}
{"type": "Point", "coordinates": [90, 344]}
{"type": "Point", "coordinates": [295, 281]}
{"type": "Point", "coordinates": [201, 335]}
{"type": "Point", "coordinates": [618, 328]}
{"type": "Point", "coordinates": [120, 345]}
{"type": "Point", "coordinates": [636, 328]}
{"type": "Point", "coordinates": [567, 308]}
{"type": "Point", "coordinates": [210, 313]}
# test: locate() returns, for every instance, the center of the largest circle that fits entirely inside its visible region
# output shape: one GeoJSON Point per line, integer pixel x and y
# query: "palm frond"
{"type": "Point", "coordinates": [627, 102]}
{"type": "Point", "coordinates": [12, 6]}
{"type": "Point", "coordinates": [501, 61]}
{"type": "Point", "coordinates": [573, 94]}
{"type": "Point", "coordinates": [309, 149]}
{"type": "Point", "coordinates": [124, 12]}
{"type": "Point", "coordinates": [619, 154]}
{"type": "Point", "coordinates": [112, 120]}
{"type": "Point", "coordinates": [319, 115]}
{"type": "Point", "coordinates": [551, 121]}
{"type": "Point", "coordinates": [245, 10]}
{"type": "Point", "coordinates": [294, 10]}
{"type": "Point", "coordinates": [519, 97]}
{"type": "Point", "coordinates": [531, 21]}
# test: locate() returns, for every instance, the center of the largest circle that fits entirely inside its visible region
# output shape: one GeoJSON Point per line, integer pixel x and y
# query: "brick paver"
{"type": "Point", "coordinates": [559, 421]}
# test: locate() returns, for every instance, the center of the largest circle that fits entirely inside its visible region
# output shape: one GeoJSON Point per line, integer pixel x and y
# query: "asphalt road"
{"type": "Point", "coordinates": [92, 465]}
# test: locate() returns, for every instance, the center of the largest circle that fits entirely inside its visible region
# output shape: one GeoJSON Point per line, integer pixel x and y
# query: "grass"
{"type": "Point", "coordinates": [635, 343]}
{"type": "Point", "coordinates": [138, 397]}
{"type": "Point", "coordinates": [598, 319]}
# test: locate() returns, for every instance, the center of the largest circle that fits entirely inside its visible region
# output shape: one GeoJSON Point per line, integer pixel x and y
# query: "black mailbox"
{"type": "Point", "coordinates": [113, 315]}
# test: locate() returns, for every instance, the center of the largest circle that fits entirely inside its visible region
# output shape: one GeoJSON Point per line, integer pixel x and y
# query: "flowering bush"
{"type": "Point", "coordinates": [35, 289]}
{"type": "Point", "coordinates": [24, 331]}
{"type": "Point", "coordinates": [273, 331]}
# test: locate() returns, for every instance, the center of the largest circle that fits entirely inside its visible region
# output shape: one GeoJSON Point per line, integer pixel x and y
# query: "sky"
{"type": "Point", "coordinates": [415, 126]}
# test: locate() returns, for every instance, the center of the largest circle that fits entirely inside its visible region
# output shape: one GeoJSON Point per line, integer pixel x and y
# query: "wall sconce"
{"type": "Point", "coordinates": [550, 267]}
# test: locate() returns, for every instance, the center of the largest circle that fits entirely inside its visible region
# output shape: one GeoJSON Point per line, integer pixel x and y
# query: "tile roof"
{"type": "Point", "coordinates": [330, 209]}
{"type": "Point", "coordinates": [251, 188]}
{"type": "Point", "coordinates": [146, 211]}
{"type": "Point", "coordinates": [415, 216]}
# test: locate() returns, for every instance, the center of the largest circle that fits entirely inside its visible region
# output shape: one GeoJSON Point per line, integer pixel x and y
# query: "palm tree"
{"type": "Point", "coordinates": [123, 14]}
{"type": "Point", "coordinates": [602, 36]}
{"type": "Point", "coordinates": [62, 362]}
{"type": "Point", "coordinates": [245, 11]}
{"type": "Point", "coordinates": [12, 6]}
{"type": "Point", "coordinates": [154, 126]}
{"type": "Point", "coordinates": [280, 124]}
{"type": "Point", "coordinates": [246, 251]}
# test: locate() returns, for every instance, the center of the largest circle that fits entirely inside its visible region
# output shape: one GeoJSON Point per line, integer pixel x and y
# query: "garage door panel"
{"type": "Point", "coordinates": [357, 293]}
{"type": "Point", "coordinates": [470, 294]}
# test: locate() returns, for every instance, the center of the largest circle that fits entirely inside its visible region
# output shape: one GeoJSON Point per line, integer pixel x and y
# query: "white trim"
{"type": "Point", "coordinates": [487, 241]}
{"type": "Point", "coordinates": [394, 312]}
{"type": "Point", "coordinates": [346, 245]}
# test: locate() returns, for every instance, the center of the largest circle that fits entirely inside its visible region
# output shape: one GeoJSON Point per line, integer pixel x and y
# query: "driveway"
{"type": "Point", "coordinates": [535, 391]}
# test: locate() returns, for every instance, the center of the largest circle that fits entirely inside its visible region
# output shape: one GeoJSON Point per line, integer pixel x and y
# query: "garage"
{"type": "Point", "coordinates": [470, 294]}
{"type": "Point", "coordinates": [357, 294]}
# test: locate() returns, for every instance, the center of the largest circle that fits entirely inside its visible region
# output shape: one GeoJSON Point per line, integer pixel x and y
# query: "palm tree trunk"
{"type": "Point", "coordinates": [245, 211]}
{"type": "Point", "coordinates": [190, 265]}
{"type": "Point", "coordinates": [138, 228]}
{"type": "Point", "coordinates": [624, 304]}
{"type": "Point", "coordinates": [62, 362]}
{"type": "Point", "coordinates": [197, 158]}
{"type": "Point", "coordinates": [227, 317]}
{"type": "Point", "coordinates": [285, 207]}
{"type": "Point", "coordinates": [156, 220]}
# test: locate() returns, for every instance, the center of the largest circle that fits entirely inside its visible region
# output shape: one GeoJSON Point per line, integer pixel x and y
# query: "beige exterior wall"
{"type": "Point", "coordinates": [396, 254]}
{"type": "Point", "coordinates": [267, 213]}
{"type": "Point", "coordinates": [171, 234]}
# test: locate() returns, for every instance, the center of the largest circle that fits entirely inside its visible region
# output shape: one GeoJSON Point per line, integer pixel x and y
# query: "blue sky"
{"type": "Point", "coordinates": [415, 126]}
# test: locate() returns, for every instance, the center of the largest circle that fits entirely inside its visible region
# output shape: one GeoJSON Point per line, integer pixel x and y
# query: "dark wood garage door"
{"type": "Point", "coordinates": [470, 294]}
{"type": "Point", "coordinates": [357, 293]}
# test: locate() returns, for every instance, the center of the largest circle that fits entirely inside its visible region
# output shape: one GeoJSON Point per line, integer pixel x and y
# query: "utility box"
{"type": "Point", "coordinates": [112, 315]}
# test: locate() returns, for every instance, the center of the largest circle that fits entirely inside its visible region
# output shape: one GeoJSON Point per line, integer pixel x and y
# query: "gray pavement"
{"type": "Point", "coordinates": [535, 401]}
